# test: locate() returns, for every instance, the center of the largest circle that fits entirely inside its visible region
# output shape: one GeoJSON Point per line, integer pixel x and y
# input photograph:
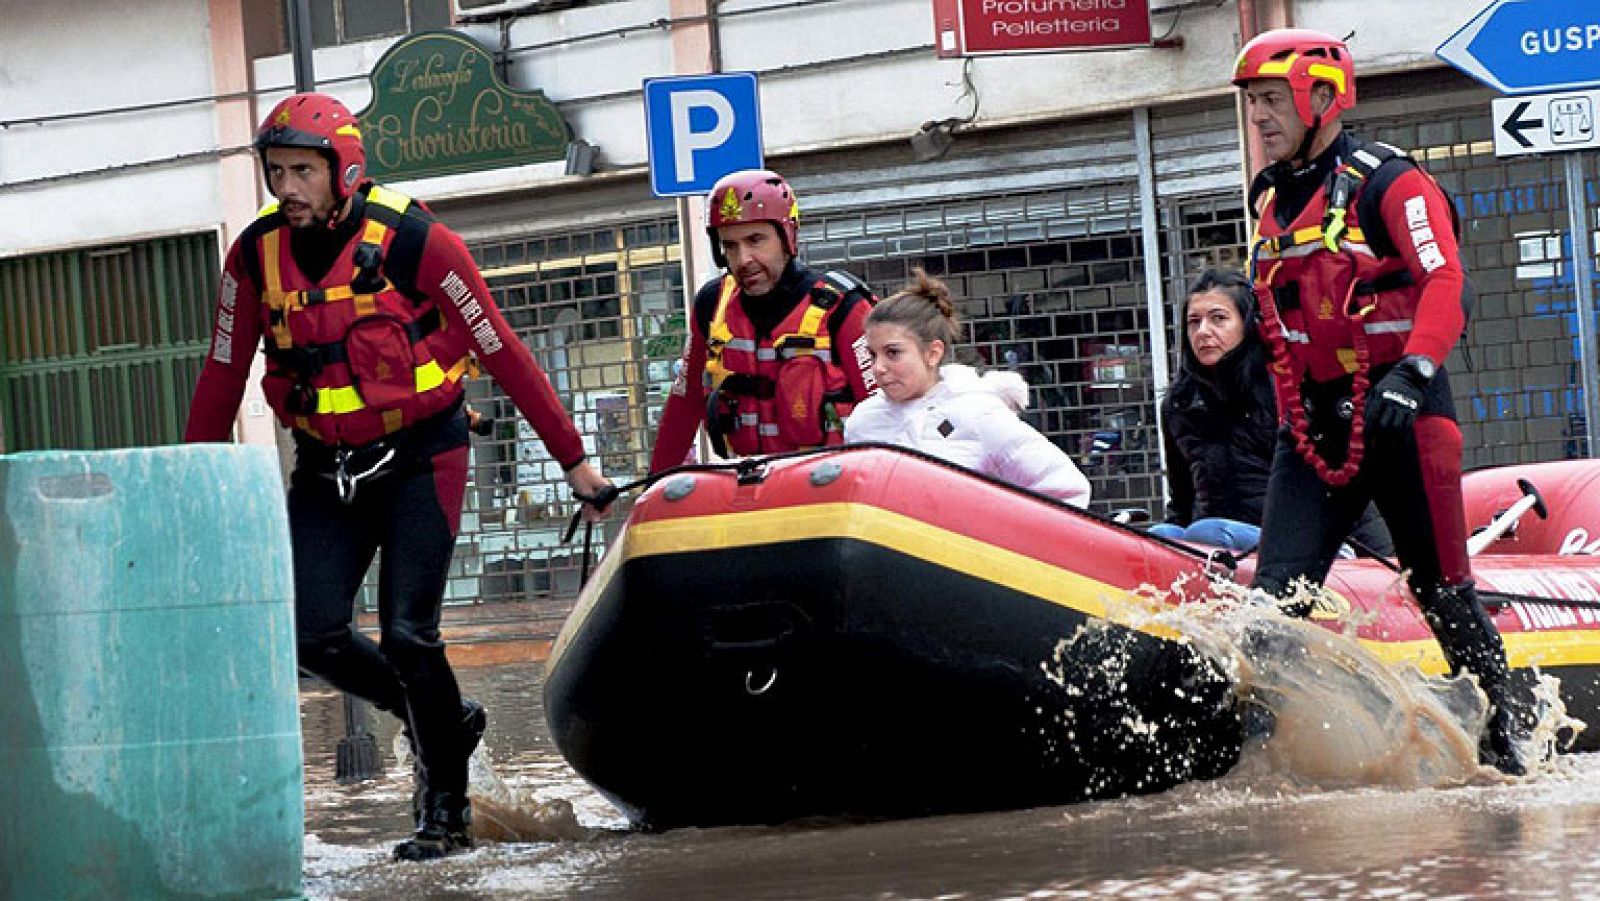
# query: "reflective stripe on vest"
{"type": "Point", "coordinates": [734, 352]}
{"type": "Point", "coordinates": [719, 337]}
{"type": "Point", "coordinates": [1329, 313]}
{"type": "Point", "coordinates": [1395, 327]}
{"type": "Point", "coordinates": [1308, 240]}
{"type": "Point", "coordinates": [821, 346]}
{"type": "Point", "coordinates": [282, 304]}
{"type": "Point", "coordinates": [347, 399]}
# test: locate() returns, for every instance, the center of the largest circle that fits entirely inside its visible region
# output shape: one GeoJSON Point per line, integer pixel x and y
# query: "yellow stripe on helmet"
{"type": "Point", "coordinates": [1277, 66]}
{"type": "Point", "coordinates": [1328, 73]}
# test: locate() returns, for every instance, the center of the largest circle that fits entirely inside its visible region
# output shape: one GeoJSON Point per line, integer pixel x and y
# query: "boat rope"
{"type": "Point", "coordinates": [748, 467]}
{"type": "Point", "coordinates": [1502, 598]}
{"type": "Point", "coordinates": [1290, 374]}
{"type": "Point", "coordinates": [599, 500]}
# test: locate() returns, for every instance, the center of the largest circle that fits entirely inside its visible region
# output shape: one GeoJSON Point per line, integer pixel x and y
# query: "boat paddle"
{"type": "Point", "coordinates": [1507, 520]}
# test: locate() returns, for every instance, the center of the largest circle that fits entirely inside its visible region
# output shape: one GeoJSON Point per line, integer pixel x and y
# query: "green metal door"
{"type": "Point", "coordinates": [100, 348]}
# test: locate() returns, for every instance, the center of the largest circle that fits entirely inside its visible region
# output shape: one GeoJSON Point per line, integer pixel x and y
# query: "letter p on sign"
{"type": "Point", "coordinates": [699, 129]}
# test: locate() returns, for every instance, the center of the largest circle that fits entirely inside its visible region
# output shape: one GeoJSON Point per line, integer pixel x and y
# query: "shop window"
{"type": "Point", "coordinates": [1542, 254]}
{"type": "Point", "coordinates": [600, 309]}
{"type": "Point", "coordinates": [335, 22]}
{"type": "Point", "coordinates": [1539, 254]}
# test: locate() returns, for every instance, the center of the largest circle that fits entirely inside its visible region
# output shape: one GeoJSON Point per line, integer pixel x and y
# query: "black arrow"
{"type": "Point", "coordinates": [1515, 124]}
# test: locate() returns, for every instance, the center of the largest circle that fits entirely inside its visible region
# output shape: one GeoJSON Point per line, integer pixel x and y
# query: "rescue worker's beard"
{"type": "Point", "coordinates": [335, 213]}
{"type": "Point", "coordinates": [327, 222]}
{"type": "Point", "coordinates": [771, 278]}
{"type": "Point", "coordinates": [302, 216]}
{"type": "Point", "coordinates": [314, 224]}
{"type": "Point", "coordinates": [770, 284]}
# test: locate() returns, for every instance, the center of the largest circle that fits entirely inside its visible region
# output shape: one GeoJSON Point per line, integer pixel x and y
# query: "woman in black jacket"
{"type": "Point", "coordinates": [1219, 423]}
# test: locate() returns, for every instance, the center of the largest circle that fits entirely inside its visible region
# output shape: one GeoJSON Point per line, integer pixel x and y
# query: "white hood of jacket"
{"type": "Point", "coordinates": [1009, 386]}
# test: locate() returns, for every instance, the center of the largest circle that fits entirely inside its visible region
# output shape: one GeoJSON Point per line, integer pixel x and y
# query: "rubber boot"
{"type": "Point", "coordinates": [1263, 643]}
{"type": "Point", "coordinates": [1471, 642]}
{"type": "Point", "coordinates": [1270, 595]}
{"type": "Point", "coordinates": [1257, 722]}
{"type": "Point", "coordinates": [445, 828]}
{"type": "Point", "coordinates": [474, 720]}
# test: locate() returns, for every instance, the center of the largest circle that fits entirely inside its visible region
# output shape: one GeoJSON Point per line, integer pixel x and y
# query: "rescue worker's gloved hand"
{"type": "Point", "coordinates": [586, 482]}
{"type": "Point", "coordinates": [1396, 399]}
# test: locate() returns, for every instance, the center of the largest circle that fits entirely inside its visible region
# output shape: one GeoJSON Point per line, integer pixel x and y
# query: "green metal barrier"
{"type": "Point", "coordinates": [149, 724]}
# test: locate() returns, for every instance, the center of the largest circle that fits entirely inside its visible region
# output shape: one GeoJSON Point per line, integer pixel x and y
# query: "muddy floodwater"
{"type": "Point", "coordinates": [1251, 834]}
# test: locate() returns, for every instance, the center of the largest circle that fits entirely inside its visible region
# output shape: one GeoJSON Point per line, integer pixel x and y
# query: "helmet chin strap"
{"type": "Point", "coordinates": [337, 214]}
{"type": "Point", "coordinates": [1302, 156]}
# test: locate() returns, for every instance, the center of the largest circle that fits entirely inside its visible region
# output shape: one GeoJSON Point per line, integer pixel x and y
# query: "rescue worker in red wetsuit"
{"type": "Point", "coordinates": [372, 312]}
{"type": "Point", "coordinates": [1358, 274]}
{"type": "Point", "coordinates": [777, 352]}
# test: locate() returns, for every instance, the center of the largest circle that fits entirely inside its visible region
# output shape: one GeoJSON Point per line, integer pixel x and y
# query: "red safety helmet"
{"type": "Point", "coordinates": [753, 195]}
{"type": "Point", "coordinates": [319, 122]}
{"type": "Point", "coordinates": [1301, 57]}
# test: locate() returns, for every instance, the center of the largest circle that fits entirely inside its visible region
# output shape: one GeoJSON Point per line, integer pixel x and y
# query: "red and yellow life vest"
{"type": "Point", "coordinates": [350, 358]}
{"type": "Point", "coordinates": [1331, 292]}
{"type": "Point", "coordinates": [1330, 306]}
{"type": "Point", "coordinates": [788, 393]}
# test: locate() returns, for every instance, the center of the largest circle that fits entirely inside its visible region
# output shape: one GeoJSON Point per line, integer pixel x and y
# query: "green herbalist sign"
{"type": "Point", "coordinates": [439, 109]}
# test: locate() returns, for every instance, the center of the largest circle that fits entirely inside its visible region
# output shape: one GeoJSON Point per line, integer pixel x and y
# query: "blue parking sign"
{"type": "Point", "coordinates": [700, 128]}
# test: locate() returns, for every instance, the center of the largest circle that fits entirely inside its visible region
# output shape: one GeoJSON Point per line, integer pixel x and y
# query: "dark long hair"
{"type": "Point", "coordinates": [1240, 378]}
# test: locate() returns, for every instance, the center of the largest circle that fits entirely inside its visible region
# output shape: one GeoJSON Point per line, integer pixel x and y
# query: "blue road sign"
{"type": "Point", "coordinates": [1530, 46]}
{"type": "Point", "coordinates": [700, 128]}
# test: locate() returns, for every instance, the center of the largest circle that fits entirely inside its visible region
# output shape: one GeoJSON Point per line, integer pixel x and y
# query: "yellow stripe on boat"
{"type": "Point", "coordinates": [1018, 572]}
{"type": "Point", "coordinates": [894, 531]}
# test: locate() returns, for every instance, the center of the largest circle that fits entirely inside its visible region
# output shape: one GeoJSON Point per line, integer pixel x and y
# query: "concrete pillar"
{"type": "Point", "coordinates": [1256, 16]}
{"type": "Point", "coordinates": [238, 177]}
{"type": "Point", "coordinates": [695, 51]}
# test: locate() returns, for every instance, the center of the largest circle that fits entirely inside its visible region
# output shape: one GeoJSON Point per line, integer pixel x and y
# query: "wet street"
{"type": "Point", "coordinates": [1248, 835]}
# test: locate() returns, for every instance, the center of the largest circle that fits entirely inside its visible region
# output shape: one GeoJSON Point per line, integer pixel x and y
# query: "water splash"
{"type": "Point", "coordinates": [501, 813]}
{"type": "Point", "coordinates": [1135, 714]}
{"type": "Point", "coordinates": [1341, 718]}
{"type": "Point", "coordinates": [1319, 710]}
{"type": "Point", "coordinates": [1556, 729]}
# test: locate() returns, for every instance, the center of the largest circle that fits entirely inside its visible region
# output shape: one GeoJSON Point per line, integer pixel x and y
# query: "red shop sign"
{"type": "Point", "coordinates": [978, 27]}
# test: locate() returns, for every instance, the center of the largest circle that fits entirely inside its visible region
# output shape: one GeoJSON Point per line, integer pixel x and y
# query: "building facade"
{"type": "Point", "coordinates": [1076, 196]}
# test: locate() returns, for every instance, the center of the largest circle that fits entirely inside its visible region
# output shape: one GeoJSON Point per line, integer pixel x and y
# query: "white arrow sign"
{"type": "Point", "coordinates": [1546, 123]}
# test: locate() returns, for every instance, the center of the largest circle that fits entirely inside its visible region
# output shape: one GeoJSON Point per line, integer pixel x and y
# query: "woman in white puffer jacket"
{"type": "Point", "coordinates": [948, 410]}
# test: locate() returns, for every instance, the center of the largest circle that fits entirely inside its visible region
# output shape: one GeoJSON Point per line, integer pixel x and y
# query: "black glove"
{"type": "Point", "coordinates": [1397, 398]}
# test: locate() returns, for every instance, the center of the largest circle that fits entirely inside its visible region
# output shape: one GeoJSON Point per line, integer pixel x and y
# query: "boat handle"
{"type": "Point", "coordinates": [750, 686]}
